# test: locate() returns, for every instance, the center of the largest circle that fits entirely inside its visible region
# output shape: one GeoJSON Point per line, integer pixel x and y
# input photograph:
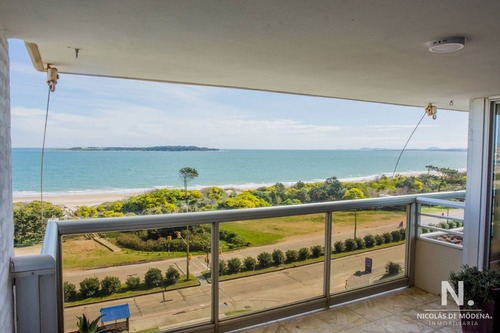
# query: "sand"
{"type": "Point", "coordinates": [73, 201]}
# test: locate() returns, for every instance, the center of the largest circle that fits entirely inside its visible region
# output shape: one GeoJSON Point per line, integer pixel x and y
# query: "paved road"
{"type": "Point", "coordinates": [240, 295]}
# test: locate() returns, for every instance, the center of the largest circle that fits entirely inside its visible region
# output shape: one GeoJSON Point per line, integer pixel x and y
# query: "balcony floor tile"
{"type": "Point", "coordinates": [394, 312]}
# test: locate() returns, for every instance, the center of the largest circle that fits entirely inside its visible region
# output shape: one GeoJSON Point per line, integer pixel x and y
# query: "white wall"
{"type": "Point", "coordinates": [433, 264]}
{"type": "Point", "coordinates": [6, 223]}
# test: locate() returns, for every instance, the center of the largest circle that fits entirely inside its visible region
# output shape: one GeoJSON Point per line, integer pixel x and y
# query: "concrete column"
{"type": "Point", "coordinates": [6, 223]}
{"type": "Point", "coordinates": [477, 209]}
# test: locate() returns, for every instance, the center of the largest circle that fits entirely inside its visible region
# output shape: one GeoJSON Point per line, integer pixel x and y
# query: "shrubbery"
{"type": "Point", "coordinates": [396, 236]}
{"type": "Point", "coordinates": [360, 243]}
{"type": "Point", "coordinates": [304, 254]}
{"type": "Point", "coordinates": [222, 267]}
{"type": "Point", "coordinates": [69, 291]}
{"type": "Point", "coordinates": [369, 241]}
{"type": "Point", "coordinates": [89, 287]}
{"type": "Point", "coordinates": [316, 251]}
{"type": "Point", "coordinates": [132, 282]}
{"type": "Point", "coordinates": [339, 246]}
{"type": "Point", "coordinates": [110, 285]}
{"type": "Point", "coordinates": [171, 276]}
{"type": "Point", "coordinates": [350, 244]}
{"type": "Point", "coordinates": [153, 278]}
{"type": "Point", "coordinates": [278, 257]}
{"type": "Point", "coordinates": [265, 259]}
{"type": "Point", "coordinates": [233, 265]}
{"type": "Point", "coordinates": [392, 268]}
{"type": "Point", "coordinates": [250, 263]}
{"type": "Point", "coordinates": [291, 256]}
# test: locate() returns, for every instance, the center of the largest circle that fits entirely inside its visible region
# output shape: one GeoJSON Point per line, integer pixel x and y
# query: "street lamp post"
{"type": "Point", "coordinates": [186, 241]}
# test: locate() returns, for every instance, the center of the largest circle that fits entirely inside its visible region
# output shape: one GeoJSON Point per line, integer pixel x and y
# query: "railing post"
{"type": "Point", "coordinates": [413, 220]}
{"type": "Point", "coordinates": [328, 256]}
{"type": "Point", "coordinates": [215, 275]}
{"type": "Point", "coordinates": [35, 293]}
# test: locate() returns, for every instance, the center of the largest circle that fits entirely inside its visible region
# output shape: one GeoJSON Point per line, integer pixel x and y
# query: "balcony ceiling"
{"type": "Point", "coordinates": [358, 49]}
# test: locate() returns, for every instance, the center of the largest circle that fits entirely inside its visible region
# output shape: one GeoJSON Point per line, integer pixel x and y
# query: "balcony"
{"type": "Point", "coordinates": [234, 302]}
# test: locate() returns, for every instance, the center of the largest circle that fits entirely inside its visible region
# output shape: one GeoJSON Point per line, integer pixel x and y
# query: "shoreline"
{"type": "Point", "coordinates": [73, 200]}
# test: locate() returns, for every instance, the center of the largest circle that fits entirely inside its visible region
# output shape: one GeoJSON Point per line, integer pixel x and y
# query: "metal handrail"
{"type": "Point", "coordinates": [55, 229]}
{"type": "Point", "coordinates": [132, 223]}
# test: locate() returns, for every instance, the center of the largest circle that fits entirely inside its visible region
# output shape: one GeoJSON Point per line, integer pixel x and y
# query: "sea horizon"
{"type": "Point", "coordinates": [96, 172]}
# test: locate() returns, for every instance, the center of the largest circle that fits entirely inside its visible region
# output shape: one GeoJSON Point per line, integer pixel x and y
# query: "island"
{"type": "Point", "coordinates": [157, 148]}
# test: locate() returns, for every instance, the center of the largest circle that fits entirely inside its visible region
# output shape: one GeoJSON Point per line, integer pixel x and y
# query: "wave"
{"type": "Point", "coordinates": [242, 186]}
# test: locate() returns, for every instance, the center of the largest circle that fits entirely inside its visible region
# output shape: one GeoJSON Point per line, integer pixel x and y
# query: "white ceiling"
{"type": "Point", "coordinates": [370, 50]}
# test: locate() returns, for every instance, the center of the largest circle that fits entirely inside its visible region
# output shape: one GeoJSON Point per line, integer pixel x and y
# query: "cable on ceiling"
{"type": "Point", "coordinates": [52, 78]}
{"type": "Point", "coordinates": [431, 111]}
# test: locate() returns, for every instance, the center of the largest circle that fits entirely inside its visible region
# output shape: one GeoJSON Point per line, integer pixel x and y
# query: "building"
{"type": "Point", "coordinates": [373, 51]}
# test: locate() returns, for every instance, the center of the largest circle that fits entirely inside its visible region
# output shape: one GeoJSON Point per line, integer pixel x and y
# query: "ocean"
{"type": "Point", "coordinates": [71, 172]}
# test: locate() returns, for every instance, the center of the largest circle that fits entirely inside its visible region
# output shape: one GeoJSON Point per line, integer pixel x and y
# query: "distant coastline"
{"type": "Point", "coordinates": [156, 148]}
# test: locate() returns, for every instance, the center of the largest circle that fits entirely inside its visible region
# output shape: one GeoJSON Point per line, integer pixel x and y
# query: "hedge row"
{"type": "Point", "coordinates": [369, 241]}
{"type": "Point", "coordinates": [91, 287]}
{"type": "Point", "coordinates": [277, 257]}
{"type": "Point", "coordinates": [266, 259]}
{"type": "Point", "coordinates": [443, 225]}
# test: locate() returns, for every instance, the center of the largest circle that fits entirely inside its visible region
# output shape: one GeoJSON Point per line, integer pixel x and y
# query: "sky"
{"type": "Point", "coordinates": [102, 112]}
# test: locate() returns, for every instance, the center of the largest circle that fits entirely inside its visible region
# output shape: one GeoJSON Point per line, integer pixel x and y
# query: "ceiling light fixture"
{"type": "Point", "coordinates": [447, 44]}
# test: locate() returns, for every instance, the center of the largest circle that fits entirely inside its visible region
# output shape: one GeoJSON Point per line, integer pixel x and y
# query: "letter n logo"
{"type": "Point", "coordinates": [447, 288]}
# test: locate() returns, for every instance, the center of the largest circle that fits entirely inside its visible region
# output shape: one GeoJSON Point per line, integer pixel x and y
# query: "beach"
{"type": "Point", "coordinates": [73, 201]}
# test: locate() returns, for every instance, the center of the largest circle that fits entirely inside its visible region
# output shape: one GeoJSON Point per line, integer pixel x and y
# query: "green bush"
{"type": "Point", "coordinates": [265, 259]}
{"type": "Point", "coordinates": [316, 251]}
{"type": "Point", "coordinates": [89, 287]}
{"type": "Point", "coordinates": [396, 236]}
{"type": "Point", "coordinates": [360, 243]}
{"type": "Point", "coordinates": [233, 265]}
{"type": "Point", "coordinates": [339, 246]}
{"type": "Point", "coordinates": [69, 291]}
{"type": "Point", "coordinates": [291, 256]}
{"type": "Point", "coordinates": [304, 254]}
{"type": "Point", "coordinates": [425, 230]}
{"type": "Point", "coordinates": [392, 268]}
{"type": "Point", "coordinates": [278, 257]}
{"type": "Point", "coordinates": [402, 232]}
{"type": "Point", "coordinates": [369, 241]}
{"type": "Point", "coordinates": [250, 263]}
{"type": "Point", "coordinates": [443, 225]}
{"type": "Point", "coordinates": [350, 244]}
{"type": "Point", "coordinates": [110, 285]}
{"type": "Point", "coordinates": [171, 276]}
{"type": "Point", "coordinates": [153, 278]}
{"type": "Point", "coordinates": [132, 282]}
{"type": "Point", "coordinates": [222, 267]}
{"type": "Point", "coordinates": [387, 237]}
{"type": "Point", "coordinates": [379, 240]}
{"type": "Point", "coordinates": [452, 225]}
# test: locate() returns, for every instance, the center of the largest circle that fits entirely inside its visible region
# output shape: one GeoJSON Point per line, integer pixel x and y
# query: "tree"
{"type": "Point", "coordinates": [187, 174]}
{"type": "Point", "coordinates": [28, 223]}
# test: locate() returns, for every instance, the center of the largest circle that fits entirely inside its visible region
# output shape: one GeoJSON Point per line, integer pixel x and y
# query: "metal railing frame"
{"type": "Point", "coordinates": [52, 307]}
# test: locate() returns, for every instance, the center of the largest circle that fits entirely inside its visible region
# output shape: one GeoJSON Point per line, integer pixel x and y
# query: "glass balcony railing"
{"type": "Point", "coordinates": [220, 270]}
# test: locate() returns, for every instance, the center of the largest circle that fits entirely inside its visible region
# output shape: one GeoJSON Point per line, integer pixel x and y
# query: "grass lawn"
{"type": "Point", "coordinates": [79, 253]}
{"type": "Point", "coordinates": [270, 231]}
